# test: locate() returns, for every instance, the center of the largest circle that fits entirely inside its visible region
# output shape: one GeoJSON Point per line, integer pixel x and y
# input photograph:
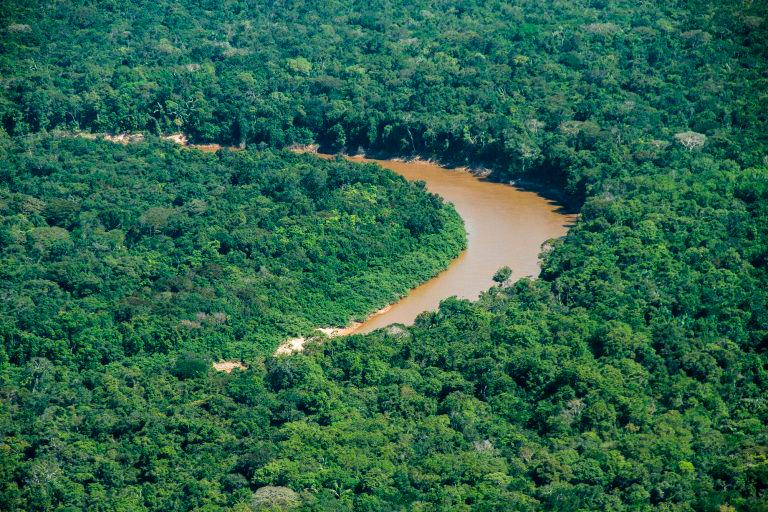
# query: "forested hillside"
{"type": "Point", "coordinates": [632, 375]}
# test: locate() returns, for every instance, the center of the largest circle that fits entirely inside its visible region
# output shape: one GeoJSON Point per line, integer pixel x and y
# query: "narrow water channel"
{"type": "Point", "coordinates": [505, 226]}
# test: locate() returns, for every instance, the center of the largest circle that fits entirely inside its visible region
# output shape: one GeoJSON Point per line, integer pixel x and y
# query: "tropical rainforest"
{"type": "Point", "coordinates": [632, 374]}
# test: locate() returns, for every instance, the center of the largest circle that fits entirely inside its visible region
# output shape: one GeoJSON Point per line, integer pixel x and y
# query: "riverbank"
{"type": "Point", "coordinates": [136, 137]}
{"type": "Point", "coordinates": [314, 149]}
{"type": "Point", "coordinates": [506, 226]}
{"type": "Point", "coordinates": [568, 204]}
{"type": "Point", "coordinates": [293, 345]}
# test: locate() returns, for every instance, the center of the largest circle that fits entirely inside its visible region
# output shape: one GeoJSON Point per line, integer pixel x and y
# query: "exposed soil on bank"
{"type": "Point", "coordinates": [228, 366]}
{"type": "Point", "coordinates": [506, 226]}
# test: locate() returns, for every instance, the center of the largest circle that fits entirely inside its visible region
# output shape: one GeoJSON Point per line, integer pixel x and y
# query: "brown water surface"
{"type": "Point", "coordinates": [505, 226]}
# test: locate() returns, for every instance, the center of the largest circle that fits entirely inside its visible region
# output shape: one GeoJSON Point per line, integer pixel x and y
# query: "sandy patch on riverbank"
{"type": "Point", "coordinates": [304, 148]}
{"type": "Point", "coordinates": [290, 346]}
{"type": "Point", "coordinates": [181, 139]}
{"type": "Point", "coordinates": [130, 138]}
{"type": "Point", "coordinates": [119, 138]}
{"type": "Point", "coordinates": [293, 345]}
{"type": "Point", "coordinates": [124, 138]}
{"type": "Point", "coordinates": [228, 366]}
{"type": "Point", "coordinates": [178, 138]}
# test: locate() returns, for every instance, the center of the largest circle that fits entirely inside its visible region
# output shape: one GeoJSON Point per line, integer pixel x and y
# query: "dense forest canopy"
{"type": "Point", "coordinates": [110, 251]}
{"type": "Point", "coordinates": [568, 89]}
{"type": "Point", "coordinates": [632, 375]}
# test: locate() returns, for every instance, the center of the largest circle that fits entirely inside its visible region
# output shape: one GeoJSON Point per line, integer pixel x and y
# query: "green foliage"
{"type": "Point", "coordinates": [275, 498]}
{"type": "Point", "coordinates": [119, 251]}
{"type": "Point", "coordinates": [502, 275]}
{"type": "Point", "coordinates": [630, 376]}
{"type": "Point", "coordinates": [190, 365]}
{"type": "Point", "coordinates": [573, 93]}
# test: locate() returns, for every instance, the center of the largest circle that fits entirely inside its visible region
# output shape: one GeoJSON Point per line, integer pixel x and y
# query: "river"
{"type": "Point", "coordinates": [505, 226]}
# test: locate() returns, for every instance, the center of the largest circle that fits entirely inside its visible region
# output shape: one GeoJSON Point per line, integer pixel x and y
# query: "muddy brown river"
{"type": "Point", "coordinates": [505, 226]}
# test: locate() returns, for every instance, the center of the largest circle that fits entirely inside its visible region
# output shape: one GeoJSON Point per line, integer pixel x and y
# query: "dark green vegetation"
{"type": "Point", "coordinates": [574, 91]}
{"type": "Point", "coordinates": [111, 251]}
{"type": "Point", "coordinates": [631, 376]}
